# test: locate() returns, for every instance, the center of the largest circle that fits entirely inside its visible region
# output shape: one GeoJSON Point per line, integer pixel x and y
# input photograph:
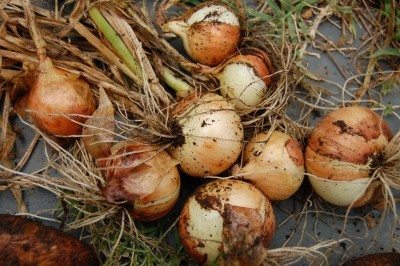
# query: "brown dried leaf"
{"type": "Point", "coordinates": [7, 136]}
{"type": "Point", "coordinates": [99, 128]}
{"type": "Point", "coordinates": [17, 193]}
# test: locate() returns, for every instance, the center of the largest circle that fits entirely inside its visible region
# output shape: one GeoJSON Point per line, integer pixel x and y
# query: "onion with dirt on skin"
{"type": "Point", "coordinates": [245, 78]}
{"type": "Point", "coordinates": [343, 152]}
{"type": "Point", "coordinates": [144, 176]}
{"type": "Point", "coordinates": [227, 216]}
{"type": "Point", "coordinates": [274, 163]}
{"type": "Point", "coordinates": [210, 32]}
{"type": "Point", "coordinates": [209, 134]}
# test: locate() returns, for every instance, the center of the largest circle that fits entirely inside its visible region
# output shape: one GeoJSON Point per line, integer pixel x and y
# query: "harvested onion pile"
{"type": "Point", "coordinates": [139, 120]}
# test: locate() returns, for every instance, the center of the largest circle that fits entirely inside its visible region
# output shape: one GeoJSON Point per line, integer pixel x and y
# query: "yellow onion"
{"type": "Point", "coordinates": [274, 164]}
{"type": "Point", "coordinates": [210, 32]}
{"type": "Point", "coordinates": [210, 134]}
{"type": "Point", "coordinates": [226, 216]}
{"type": "Point", "coordinates": [161, 201]}
{"type": "Point", "coordinates": [145, 177]}
{"type": "Point", "coordinates": [342, 153]}
{"type": "Point", "coordinates": [97, 135]}
{"type": "Point", "coordinates": [57, 99]}
{"type": "Point", "coordinates": [245, 78]}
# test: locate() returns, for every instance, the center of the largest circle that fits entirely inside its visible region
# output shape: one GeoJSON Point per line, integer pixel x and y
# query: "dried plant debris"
{"type": "Point", "coordinates": [138, 78]}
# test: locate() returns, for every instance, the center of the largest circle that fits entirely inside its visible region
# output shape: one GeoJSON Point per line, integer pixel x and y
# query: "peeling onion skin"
{"type": "Point", "coordinates": [211, 134]}
{"type": "Point", "coordinates": [161, 201]}
{"type": "Point", "coordinates": [145, 177]}
{"type": "Point", "coordinates": [56, 92]}
{"type": "Point", "coordinates": [210, 32]}
{"type": "Point", "coordinates": [348, 144]}
{"type": "Point", "coordinates": [245, 78]}
{"type": "Point", "coordinates": [97, 134]}
{"type": "Point", "coordinates": [202, 219]}
{"type": "Point", "coordinates": [274, 164]}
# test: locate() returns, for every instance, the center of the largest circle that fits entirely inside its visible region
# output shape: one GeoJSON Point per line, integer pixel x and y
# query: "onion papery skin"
{"type": "Point", "coordinates": [245, 78]}
{"type": "Point", "coordinates": [97, 134]}
{"type": "Point", "coordinates": [274, 164]}
{"type": "Point", "coordinates": [210, 33]}
{"type": "Point", "coordinates": [202, 219]}
{"type": "Point", "coordinates": [348, 144]}
{"type": "Point", "coordinates": [56, 98]}
{"type": "Point", "coordinates": [147, 178]}
{"type": "Point", "coordinates": [211, 134]}
{"type": "Point", "coordinates": [161, 201]}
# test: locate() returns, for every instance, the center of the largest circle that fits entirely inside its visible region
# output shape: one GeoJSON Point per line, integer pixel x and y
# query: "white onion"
{"type": "Point", "coordinates": [245, 78]}
{"type": "Point", "coordinates": [225, 214]}
{"type": "Point", "coordinates": [347, 145]}
{"type": "Point", "coordinates": [274, 164]}
{"type": "Point", "coordinates": [210, 134]}
{"type": "Point", "coordinates": [210, 32]}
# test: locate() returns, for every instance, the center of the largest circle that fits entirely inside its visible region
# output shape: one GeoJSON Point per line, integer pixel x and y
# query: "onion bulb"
{"type": "Point", "coordinates": [227, 216]}
{"type": "Point", "coordinates": [342, 153]}
{"type": "Point", "coordinates": [161, 201]}
{"type": "Point", "coordinates": [145, 177]}
{"type": "Point", "coordinates": [274, 164]}
{"type": "Point", "coordinates": [210, 134]}
{"type": "Point", "coordinates": [245, 78]}
{"type": "Point", "coordinates": [210, 32]}
{"type": "Point", "coordinates": [58, 100]}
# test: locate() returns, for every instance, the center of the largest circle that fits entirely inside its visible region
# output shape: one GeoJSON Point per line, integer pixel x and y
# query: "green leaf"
{"type": "Point", "coordinates": [397, 35]}
{"type": "Point", "coordinates": [292, 29]}
{"type": "Point", "coordinates": [386, 88]}
{"type": "Point", "coordinates": [387, 52]}
{"type": "Point", "coordinates": [275, 8]}
{"type": "Point", "coordinates": [299, 7]}
{"type": "Point", "coordinates": [388, 110]}
{"type": "Point", "coordinates": [353, 27]}
{"type": "Point", "coordinates": [254, 13]}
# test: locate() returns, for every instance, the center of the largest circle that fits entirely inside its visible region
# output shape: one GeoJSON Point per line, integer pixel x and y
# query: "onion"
{"type": "Point", "coordinates": [210, 134]}
{"type": "Point", "coordinates": [343, 151]}
{"type": "Point", "coordinates": [274, 164]}
{"type": "Point", "coordinates": [210, 32]}
{"type": "Point", "coordinates": [245, 78]}
{"type": "Point", "coordinates": [229, 216]}
{"type": "Point", "coordinates": [161, 201]}
{"type": "Point", "coordinates": [58, 97]}
{"type": "Point", "coordinates": [144, 176]}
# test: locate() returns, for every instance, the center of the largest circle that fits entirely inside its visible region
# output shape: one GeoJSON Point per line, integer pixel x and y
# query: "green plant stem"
{"type": "Point", "coordinates": [116, 41]}
{"type": "Point", "coordinates": [181, 87]}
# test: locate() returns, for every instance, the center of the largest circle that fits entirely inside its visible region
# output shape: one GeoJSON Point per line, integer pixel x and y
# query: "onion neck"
{"type": "Point", "coordinates": [179, 28]}
{"type": "Point", "coordinates": [116, 41]}
{"type": "Point", "coordinates": [47, 72]}
{"type": "Point", "coordinates": [181, 87]}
